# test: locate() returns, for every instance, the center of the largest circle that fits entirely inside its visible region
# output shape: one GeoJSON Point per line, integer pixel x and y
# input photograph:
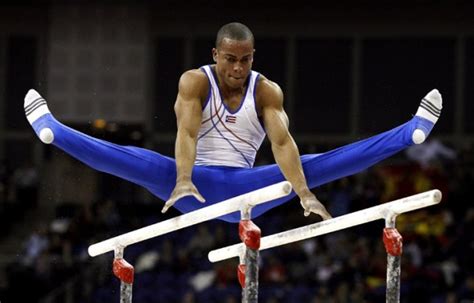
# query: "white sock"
{"type": "Point", "coordinates": [35, 106]}
{"type": "Point", "coordinates": [430, 106]}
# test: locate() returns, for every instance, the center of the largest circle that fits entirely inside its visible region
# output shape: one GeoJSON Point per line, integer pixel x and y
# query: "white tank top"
{"type": "Point", "coordinates": [229, 138]}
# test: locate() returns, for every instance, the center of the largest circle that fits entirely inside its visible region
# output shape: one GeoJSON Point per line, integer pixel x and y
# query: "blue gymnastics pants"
{"type": "Point", "coordinates": [157, 173]}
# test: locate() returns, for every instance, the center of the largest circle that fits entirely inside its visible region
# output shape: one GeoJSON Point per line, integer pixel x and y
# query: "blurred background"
{"type": "Point", "coordinates": [349, 70]}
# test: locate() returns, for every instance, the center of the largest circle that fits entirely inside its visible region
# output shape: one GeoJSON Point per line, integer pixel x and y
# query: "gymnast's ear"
{"type": "Point", "coordinates": [214, 54]}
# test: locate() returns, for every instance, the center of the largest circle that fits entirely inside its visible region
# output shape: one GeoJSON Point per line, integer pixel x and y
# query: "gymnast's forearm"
{"type": "Point", "coordinates": [185, 154]}
{"type": "Point", "coordinates": [288, 159]}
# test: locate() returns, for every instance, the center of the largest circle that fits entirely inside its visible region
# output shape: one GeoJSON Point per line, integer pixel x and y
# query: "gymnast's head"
{"type": "Point", "coordinates": [233, 54]}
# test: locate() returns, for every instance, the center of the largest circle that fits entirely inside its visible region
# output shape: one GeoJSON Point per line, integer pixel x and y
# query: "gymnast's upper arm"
{"type": "Point", "coordinates": [192, 92]}
{"type": "Point", "coordinates": [270, 100]}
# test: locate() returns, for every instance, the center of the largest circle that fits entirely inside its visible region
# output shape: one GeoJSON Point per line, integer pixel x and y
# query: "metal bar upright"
{"type": "Point", "coordinates": [250, 235]}
{"type": "Point", "coordinates": [394, 246]}
{"type": "Point", "coordinates": [125, 272]}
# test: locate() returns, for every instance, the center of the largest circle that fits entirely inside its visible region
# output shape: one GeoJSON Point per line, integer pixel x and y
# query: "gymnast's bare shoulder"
{"type": "Point", "coordinates": [193, 85]}
{"type": "Point", "coordinates": [268, 94]}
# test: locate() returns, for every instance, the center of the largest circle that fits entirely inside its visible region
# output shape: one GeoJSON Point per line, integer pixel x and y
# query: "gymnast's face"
{"type": "Point", "coordinates": [233, 61]}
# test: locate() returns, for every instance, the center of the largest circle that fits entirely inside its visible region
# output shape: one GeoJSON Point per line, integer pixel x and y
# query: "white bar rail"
{"type": "Point", "coordinates": [385, 210]}
{"type": "Point", "coordinates": [250, 199]}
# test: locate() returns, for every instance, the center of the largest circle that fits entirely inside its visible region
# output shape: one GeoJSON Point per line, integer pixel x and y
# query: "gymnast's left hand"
{"type": "Point", "coordinates": [311, 204]}
{"type": "Point", "coordinates": [183, 189]}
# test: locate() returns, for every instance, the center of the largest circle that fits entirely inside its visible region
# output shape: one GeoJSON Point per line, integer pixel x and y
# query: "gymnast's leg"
{"type": "Point", "coordinates": [346, 160]}
{"type": "Point", "coordinates": [146, 168]}
{"type": "Point", "coordinates": [358, 156]}
{"type": "Point", "coordinates": [140, 166]}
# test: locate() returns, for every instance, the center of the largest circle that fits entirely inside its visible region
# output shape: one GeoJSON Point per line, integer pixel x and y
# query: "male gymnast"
{"type": "Point", "coordinates": [224, 111]}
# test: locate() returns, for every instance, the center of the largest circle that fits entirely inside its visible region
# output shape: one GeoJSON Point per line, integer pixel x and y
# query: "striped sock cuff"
{"type": "Point", "coordinates": [430, 107]}
{"type": "Point", "coordinates": [429, 110]}
{"type": "Point", "coordinates": [35, 108]}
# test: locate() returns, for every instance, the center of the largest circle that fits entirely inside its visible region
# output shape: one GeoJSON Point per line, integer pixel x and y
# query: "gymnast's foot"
{"type": "Point", "coordinates": [428, 114]}
{"type": "Point", "coordinates": [38, 115]}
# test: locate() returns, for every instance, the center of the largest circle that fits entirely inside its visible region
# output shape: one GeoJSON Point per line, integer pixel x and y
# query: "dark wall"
{"type": "Point", "coordinates": [347, 68]}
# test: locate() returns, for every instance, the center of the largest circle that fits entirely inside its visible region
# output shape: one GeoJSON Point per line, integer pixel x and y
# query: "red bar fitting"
{"type": "Point", "coordinates": [393, 241]}
{"type": "Point", "coordinates": [123, 270]}
{"type": "Point", "coordinates": [241, 274]}
{"type": "Point", "coordinates": [250, 234]}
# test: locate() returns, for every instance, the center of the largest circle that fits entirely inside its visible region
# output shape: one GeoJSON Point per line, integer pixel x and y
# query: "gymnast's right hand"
{"type": "Point", "coordinates": [311, 204]}
{"type": "Point", "coordinates": [183, 189]}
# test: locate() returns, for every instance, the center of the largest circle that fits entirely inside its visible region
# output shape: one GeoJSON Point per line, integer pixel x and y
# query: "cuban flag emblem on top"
{"type": "Point", "coordinates": [230, 119]}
